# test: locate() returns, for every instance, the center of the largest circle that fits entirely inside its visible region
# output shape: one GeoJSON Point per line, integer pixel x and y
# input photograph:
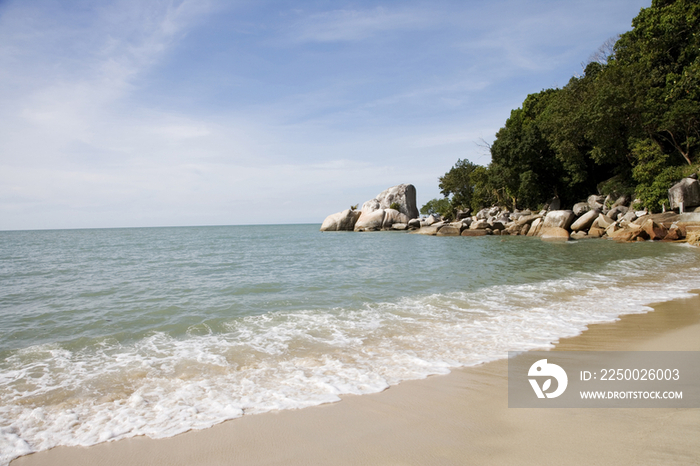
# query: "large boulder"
{"type": "Point", "coordinates": [596, 202]}
{"type": "Point", "coordinates": [585, 221]}
{"type": "Point", "coordinates": [581, 208]}
{"type": "Point", "coordinates": [535, 227]}
{"type": "Point", "coordinates": [554, 234]}
{"type": "Point", "coordinates": [654, 230]}
{"type": "Point", "coordinates": [686, 192]}
{"type": "Point", "coordinates": [474, 233]}
{"type": "Point", "coordinates": [404, 195]}
{"type": "Point", "coordinates": [559, 219]}
{"type": "Point", "coordinates": [370, 221]}
{"type": "Point", "coordinates": [617, 211]}
{"type": "Point", "coordinates": [452, 229]}
{"type": "Point", "coordinates": [429, 230]}
{"type": "Point", "coordinates": [604, 221]}
{"type": "Point", "coordinates": [341, 221]}
{"type": "Point", "coordinates": [392, 216]}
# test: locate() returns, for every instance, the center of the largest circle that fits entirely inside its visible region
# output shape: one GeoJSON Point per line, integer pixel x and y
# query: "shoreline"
{"type": "Point", "coordinates": [458, 418]}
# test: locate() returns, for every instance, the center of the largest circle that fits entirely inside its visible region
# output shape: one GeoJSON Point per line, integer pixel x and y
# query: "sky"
{"type": "Point", "coordinates": [133, 113]}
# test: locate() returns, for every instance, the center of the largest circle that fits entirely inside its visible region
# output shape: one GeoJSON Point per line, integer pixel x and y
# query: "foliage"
{"type": "Point", "coordinates": [395, 206]}
{"type": "Point", "coordinates": [629, 124]}
{"type": "Point", "coordinates": [354, 207]}
{"type": "Point", "coordinates": [440, 207]}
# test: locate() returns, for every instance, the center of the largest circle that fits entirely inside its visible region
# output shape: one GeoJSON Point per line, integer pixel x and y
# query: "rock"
{"type": "Point", "coordinates": [596, 202]}
{"type": "Point", "coordinates": [629, 217]}
{"type": "Point", "coordinates": [399, 226]}
{"type": "Point", "coordinates": [604, 221]}
{"type": "Point", "coordinates": [581, 208]}
{"type": "Point", "coordinates": [483, 214]}
{"type": "Point", "coordinates": [474, 233]}
{"type": "Point", "coordinates": [525, 229]}
{"type": "Point", "coordinates": [559, 219]}
{"type": "Point", "coordinates": [686, 192]}
{"type": "Point", "coordinates": [403, 194]}
{"type": "Point", "coordinates": [612, 229]}
{"type": "Point", "coordinates": [621, 235]}
{"type": "Point", "coordinates": [641, 213]}
{"type": "Point", "coordinates": [450, 230]}
{"type": "Point", "coordinates": [616, 211]}
{"type": "Point", "coordinates": [496, 225]}
{"type": "Point", "coordinates": [414, 223]}
{"type": "Point", "coordinates": [578, 235]}
{"type": "Point", "coordinates": [479, 225]}
{"type": "Point", "coordinates": [653, 230]}
{"type": "Point", "coordinates": [535, 227]}
{"type": "Point", "coordinates": [555, 234]}
{"type": "Point", "coordinates": [596, 232]}
{"type": "Point", "coordinates": [430, 220]}
{"type": "Point", "coordinates": [429, 230]}
{"type": "Point", "coordinates": [637, 232]}
{"type": "Point", "coordinates": [674, 233]}
{"type": "Point", "coordinates": [341, 221]}
{"type": "Point", "coordinates": [585, 221]}
{"type": "Point", "coordinates": [370, 221]}
{"type": "Point", "coordinates": [392, 216]}
{"type": "Point", "coordinates": [527, 219]}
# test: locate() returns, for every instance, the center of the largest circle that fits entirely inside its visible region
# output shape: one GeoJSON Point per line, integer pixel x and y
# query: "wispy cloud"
{"type": "Point", "coordinates": [357, 25]}
{"type": "Point", "coordinates": [131, 113]}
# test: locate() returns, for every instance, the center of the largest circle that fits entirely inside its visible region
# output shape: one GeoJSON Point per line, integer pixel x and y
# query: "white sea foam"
{"type": "Point", "coordinates": [161, 386]}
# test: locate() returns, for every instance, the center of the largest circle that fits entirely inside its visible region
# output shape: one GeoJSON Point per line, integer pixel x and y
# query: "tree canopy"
{"type": "Point", "coordinates": [629, 125]}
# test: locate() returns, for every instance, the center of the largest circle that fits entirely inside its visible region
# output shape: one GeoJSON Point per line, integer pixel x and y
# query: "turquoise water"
{"type": "Point", "coordinates": [112, 333]}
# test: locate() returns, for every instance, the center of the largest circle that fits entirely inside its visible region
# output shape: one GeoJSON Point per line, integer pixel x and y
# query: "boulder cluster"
{"type": "Point", "coordinates": [392, 209]}
{"type": "Point", "coordinates": [596, 217]}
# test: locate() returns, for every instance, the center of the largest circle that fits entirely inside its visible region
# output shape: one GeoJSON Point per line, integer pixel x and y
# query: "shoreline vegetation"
{"type": "Point", "coordinates": [618, 146]}
{"type": "Point", "coordinates": [458, 418]}
{"type": "Point", "coordinates": [628, 126]}
{"type": "Point", "coordinates": [598, 217]}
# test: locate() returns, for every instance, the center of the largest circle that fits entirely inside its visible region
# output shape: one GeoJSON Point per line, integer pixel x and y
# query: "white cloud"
{"type": "Point", "coordinates": [85, 145]}
{"type": "Point", "coordinates": [356, 25]}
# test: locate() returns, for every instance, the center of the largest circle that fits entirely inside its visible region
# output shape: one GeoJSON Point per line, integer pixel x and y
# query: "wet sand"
{"type": "Point", "coordinates": [460, 418]}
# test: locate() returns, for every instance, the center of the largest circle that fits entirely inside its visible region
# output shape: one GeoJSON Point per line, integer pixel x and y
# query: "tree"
{"type": "Point", "coordinates": [440, 207]}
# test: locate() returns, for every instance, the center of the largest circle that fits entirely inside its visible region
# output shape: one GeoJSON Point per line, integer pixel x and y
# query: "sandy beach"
{"type": "Point", "coordinates": [460, 418]}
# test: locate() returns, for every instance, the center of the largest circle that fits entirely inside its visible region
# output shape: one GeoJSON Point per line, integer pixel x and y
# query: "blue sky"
{"type": "Point", "coordinates": [157, 113]}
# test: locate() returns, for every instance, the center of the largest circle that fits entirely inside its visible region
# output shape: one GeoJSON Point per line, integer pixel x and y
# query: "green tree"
{"type": "Point", "coordinates": [441, 207]}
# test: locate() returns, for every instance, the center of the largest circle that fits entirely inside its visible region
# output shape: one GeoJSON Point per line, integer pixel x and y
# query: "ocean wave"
{"type": "Point", "coordinates": [160, 386]}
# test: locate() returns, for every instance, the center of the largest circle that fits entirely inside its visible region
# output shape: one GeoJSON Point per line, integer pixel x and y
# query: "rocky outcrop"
{"type": "Point", "coordinates": [585, 221]}
{"type": "Point", "coordinates": [555, 234]}
{"type": "Point", "coordinates": [596, 217]}
{"type": "Point", "coordinates": [341, 221]}
{"type": "Point", "coordinates": [685, 193]}
{"type": "Point", "coordinates": [452, 229]}
{"type": "Point", "coordinates": [403, 196]}
{"type": "Point", "coordinates": [372, 220]}
{"type": "Point", "coordinates": [559, 219]}
{"type": "Point", "coordinates": [391, 217]}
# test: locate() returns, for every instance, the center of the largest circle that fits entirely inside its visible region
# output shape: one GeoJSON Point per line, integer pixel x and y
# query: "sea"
{"type": "Point", "coordinates": [112, 333]}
